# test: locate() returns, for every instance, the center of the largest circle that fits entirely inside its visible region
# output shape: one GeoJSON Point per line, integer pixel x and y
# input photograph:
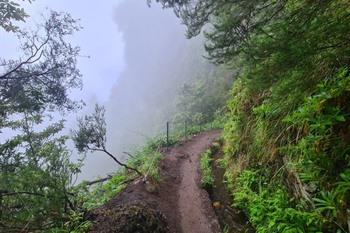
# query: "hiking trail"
{"type": "Point", "coordinates": [186, 206]}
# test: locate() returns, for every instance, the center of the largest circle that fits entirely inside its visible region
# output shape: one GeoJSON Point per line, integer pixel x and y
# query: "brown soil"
{"type": "Point", "coordinates": [179, 201]}
{"type": "Point", "coordinates": [230, 218]}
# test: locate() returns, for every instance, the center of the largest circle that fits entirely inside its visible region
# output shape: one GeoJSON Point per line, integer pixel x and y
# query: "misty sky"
{"type": "Point", "coordinates": [100, 39]}
{"type": "Point", "coordinates": [139, 58]}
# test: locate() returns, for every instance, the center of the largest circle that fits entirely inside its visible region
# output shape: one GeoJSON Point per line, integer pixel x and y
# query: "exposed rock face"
{"type": "Point", "coordinates": [129, 218]}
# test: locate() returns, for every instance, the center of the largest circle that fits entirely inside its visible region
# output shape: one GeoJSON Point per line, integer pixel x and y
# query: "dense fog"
{"type": "Point", "coordinates": [134, 59]}
{"type": "Point", "coordinates": [158, 60]}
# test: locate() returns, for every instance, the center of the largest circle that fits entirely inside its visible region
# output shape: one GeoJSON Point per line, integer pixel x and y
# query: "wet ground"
{"type": "Point", "coordinates": [179, 201]}
{"type": "Point", "coordinates": [230, 218]}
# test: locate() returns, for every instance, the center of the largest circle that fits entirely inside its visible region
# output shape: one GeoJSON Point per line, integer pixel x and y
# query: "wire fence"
{"type": "Point", "coordinates": [175, 131]}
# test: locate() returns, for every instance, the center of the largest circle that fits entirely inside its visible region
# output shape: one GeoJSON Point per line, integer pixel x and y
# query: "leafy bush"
{"type": "Point", "coordinates": [74, 224]}
{"type": "Point", "coordinates": [312, 143]}
{"type": "Point", "coordinates": [270, 208]}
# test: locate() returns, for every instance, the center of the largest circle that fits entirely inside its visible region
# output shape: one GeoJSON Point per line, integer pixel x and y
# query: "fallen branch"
{"type": "Point", "coordinates": [120, 163]}
{"type": "Point", "coordinates": [99, 180]}
{"type": "Point", "coordinates": [89, 183]}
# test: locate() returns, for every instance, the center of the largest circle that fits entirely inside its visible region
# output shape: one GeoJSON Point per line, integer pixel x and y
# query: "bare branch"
{"type": "Point", "coordinates": [29, 59]}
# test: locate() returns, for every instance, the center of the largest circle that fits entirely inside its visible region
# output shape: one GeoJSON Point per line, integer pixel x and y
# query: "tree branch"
{"type": "Point", "coordinates": [99, 180]}
{"type": "Point", "coordinates": [120, 163]}
{"type": "Point", "coordinates": [28, 60]}
{"type": "Point", "coordinates": [8, 193]}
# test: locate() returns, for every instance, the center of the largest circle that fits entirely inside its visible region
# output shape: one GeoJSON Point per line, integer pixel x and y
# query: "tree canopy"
{"type": "Point", "coordinates": [11, 11]}
{"type": "Point", "coordinates": [91, 136]}
{"type": "Point", "coordinates": [36, 171]}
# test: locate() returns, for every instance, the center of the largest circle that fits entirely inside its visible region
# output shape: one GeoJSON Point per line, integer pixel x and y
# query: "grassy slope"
{"type": "Point", "coordinates": [289, 170]}
{"type": "Point", "coordinates": [287, 132]}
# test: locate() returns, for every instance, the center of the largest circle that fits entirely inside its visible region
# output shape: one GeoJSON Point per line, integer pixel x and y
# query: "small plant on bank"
{"type": "Point", "coordinates": [147, 159]}
{"type": "Point", "coordinates": [207, 180]}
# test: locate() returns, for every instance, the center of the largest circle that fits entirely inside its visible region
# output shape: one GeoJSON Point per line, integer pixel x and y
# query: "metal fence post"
{"type": "Point", "coordinates": [167, 133]}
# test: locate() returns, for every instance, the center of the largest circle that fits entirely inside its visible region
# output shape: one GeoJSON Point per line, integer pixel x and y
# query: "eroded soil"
{"type": "Point", "coordinates": [230, 218]}
{"type": "Point", "coordinates": [179, 201]}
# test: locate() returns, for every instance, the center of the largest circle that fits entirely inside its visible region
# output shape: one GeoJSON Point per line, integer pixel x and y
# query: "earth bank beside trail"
{"type": "Point", "coordinates": [177, 204]}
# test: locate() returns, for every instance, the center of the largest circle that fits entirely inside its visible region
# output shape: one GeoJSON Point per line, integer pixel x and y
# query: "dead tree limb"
{"type": "Point", "coordinates": [99, 180]}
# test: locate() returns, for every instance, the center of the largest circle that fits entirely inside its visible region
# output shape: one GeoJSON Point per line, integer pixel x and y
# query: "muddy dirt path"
{"type": "Point", "coordinates": [185, 204]}
{"type": "Point", "coordinates": [180, 199]}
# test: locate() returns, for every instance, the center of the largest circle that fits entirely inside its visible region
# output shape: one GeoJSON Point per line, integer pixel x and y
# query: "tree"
{"type": "Point", "coordinates": [232, 21]}
{"type": "Point", "coordinates": [200, 100]}
{"type": "Point", "coordinates": [91, 136]}
{"type": "Point", "coordinates": [11, 11]}
{"type": "Point", "coordinates": [40, 79]}
{"type": "Point", "coordinates": [36, 172]}
{"type": "Point", "coordinates": [234, 26]}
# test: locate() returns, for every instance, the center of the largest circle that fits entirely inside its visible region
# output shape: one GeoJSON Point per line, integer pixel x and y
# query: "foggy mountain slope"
{"type": "Point", "coordinates": [158, 61]}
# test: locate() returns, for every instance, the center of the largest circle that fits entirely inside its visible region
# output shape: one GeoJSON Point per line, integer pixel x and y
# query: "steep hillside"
{"type": "Point", "coordinates": [286, 136]}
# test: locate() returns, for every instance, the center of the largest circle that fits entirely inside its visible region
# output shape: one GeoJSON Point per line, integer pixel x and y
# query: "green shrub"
{"type": "Point", "coordinates": [308, 136]}
{"type": "Point", "coordinates": [270, 208]}
{"type": "Point", "coordinates": [207, 180]}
